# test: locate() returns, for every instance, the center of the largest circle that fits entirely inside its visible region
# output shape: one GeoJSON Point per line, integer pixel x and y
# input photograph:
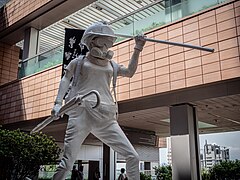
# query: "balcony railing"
{"type": "Point", "coordinates": [41, 62]}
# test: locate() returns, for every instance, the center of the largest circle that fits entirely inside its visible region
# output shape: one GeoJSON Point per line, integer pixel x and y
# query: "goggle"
{"type": "Point", "coordinates": [103, 41]}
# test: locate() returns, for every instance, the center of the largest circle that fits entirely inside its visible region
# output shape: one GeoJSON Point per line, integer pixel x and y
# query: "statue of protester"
{"type": "Point", "coordinates": [95, 72]}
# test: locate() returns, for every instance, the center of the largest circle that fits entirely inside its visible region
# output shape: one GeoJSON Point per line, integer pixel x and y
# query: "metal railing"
{"type": "Point", "coordinates": [41, 61]}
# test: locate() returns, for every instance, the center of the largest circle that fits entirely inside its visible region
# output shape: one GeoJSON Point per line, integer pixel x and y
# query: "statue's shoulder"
{"type": "Point", "coordinates": [78, 60]}
{"type": "Point", "coordinates": [73, 62]}
{"type": "Point", "coordinates": [78, 68]}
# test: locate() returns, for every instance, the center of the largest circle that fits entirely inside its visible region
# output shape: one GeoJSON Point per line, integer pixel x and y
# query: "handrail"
{"type": "Point", "coordinates": [27, 59]}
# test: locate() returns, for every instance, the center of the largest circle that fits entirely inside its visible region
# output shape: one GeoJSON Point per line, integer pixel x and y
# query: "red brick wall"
{"type": "Point", "coordinates": [164, 68]}
{"type": "Point", "coordinates": [9, 57]}
{"type": "Point", "coordinates": [29, 98]}
{"type": "Point", "coordinates": [17, 9]}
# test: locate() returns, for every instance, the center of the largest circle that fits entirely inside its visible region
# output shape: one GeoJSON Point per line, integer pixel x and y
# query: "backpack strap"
{"type": "Point", "coordinates": [114, 81]}
{"type": "Point", "coordinates": [78, 69]}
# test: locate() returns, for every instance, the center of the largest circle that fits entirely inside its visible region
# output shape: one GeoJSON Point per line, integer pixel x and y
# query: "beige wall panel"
{"type": "Point", "coordinates": [9, 57]}
{"type": "Point", "coordinates": [15, 10]}
{"type": "Point", "coordinates": [29, 98]}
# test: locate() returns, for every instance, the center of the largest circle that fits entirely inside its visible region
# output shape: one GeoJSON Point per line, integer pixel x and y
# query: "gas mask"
{"type": "Point", "coordinates": [100, 46]}
{"type": "Point", "coordinates": [98, 53]}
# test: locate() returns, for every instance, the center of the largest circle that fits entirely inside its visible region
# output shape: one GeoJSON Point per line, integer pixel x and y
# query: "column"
{"type": "Point", "coordinates": [109, 163]}
{"type": "Point", "coordinates": [184, 142]}
{"type": "Point", "coordinates": [106, 162]}
{"type": "Point", "coordinates": [30, 46]}
{"type": "Point", "coordinates": [113, 161]}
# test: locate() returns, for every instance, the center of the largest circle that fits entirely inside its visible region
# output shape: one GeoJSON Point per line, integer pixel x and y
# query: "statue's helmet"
{"type": "Point", "coordinates": [95, 30]}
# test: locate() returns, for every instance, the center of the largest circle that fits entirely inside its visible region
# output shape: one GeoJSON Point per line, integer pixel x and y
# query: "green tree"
{"type": "Point", "coordinates": [163, 172]}
{"type": "Point", "coordinates": [225, 170]}
{"type": "Point", "coordinates": [145, 176]}
{"type": "Point", "coordinates": [205, 174]}
{"type": "Point", "coordinates": [22, 154]}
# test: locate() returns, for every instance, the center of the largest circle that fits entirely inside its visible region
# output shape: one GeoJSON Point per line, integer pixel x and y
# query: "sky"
{"type": "Point", "coordinates": [229, 140]}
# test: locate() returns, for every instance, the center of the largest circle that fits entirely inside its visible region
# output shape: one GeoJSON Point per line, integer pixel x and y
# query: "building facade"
{"type": "Point", "coordinates": [213, 154]}
{"type": "Point", "coordinates": [205, 85]}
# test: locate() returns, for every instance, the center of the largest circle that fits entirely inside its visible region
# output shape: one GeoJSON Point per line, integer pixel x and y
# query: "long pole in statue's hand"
{"type": "Point", "coordinates": [170, 43]}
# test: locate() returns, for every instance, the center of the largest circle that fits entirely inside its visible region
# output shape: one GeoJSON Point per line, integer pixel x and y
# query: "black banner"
{"type": "Point", "coordinates": [72, 46]}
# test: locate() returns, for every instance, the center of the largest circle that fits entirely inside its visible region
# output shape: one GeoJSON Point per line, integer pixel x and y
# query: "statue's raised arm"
{"type": "Point", "coordinates": [133, 63]}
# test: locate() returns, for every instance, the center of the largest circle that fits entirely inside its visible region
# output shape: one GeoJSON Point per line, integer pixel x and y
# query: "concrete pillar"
{"type": "Point", "coordinates": [30, 46]}
{"type": "Point", "coordinates": [109, 163]}
{"type": "Point", "coordinates": [184, 142]}
{"type": "Point", "coordinates": [113, 161]}
{"type": "Point", "coordinates": [106, 162]}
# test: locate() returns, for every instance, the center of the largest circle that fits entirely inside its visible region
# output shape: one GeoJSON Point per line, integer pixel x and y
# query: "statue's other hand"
{"type": "Point", "coordinates": [55, 109]}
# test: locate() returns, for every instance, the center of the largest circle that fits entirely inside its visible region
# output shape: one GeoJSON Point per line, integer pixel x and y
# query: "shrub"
{"type": "Point", "coordinates": [205, 174]}
{"type": "Point", "coordinates": [163, 172]}
{"type": "Point", "coordinates": [225, 170]}
{"type": "Point", "coordinates": [145, 176]}
{"type": "Point", "coordinates": [22, 154]}
{"type": "Point", "coordinates": [229, 170]}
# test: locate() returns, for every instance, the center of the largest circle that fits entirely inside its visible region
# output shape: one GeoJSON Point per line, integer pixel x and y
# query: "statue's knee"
{"type": "Point", "coordinates": [65, 165]}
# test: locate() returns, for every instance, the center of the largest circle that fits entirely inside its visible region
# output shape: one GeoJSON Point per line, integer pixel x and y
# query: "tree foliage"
{"type": "Point", "coordinates": [163, 172]}
{"type": "Point", "coordinates": [229, 170]}
{"type": "Point", "coordinates": [145, 176]}
{"type": "Point", "coordinates": [225, 170]}
{"type": "Point", "coordinates": [22, 154]}
{"type": "Point", "coordinates": [205, 174]}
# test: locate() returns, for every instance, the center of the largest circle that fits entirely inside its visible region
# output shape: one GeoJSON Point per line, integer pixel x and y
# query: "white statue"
{"type": "Point", "coordinates": [95, 72]}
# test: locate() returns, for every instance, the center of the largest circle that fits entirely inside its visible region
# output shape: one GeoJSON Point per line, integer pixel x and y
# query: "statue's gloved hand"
{"type": "Point", "coordinates": [140, 42]}
{"type": "Point", "coordinates": [55, 109]}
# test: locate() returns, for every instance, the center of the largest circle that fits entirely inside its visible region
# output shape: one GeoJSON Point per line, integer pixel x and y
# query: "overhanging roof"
{"type": "Point", "coordinates": [217, 105]}
{"type": "Point", "coordinates": [118, 13]}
